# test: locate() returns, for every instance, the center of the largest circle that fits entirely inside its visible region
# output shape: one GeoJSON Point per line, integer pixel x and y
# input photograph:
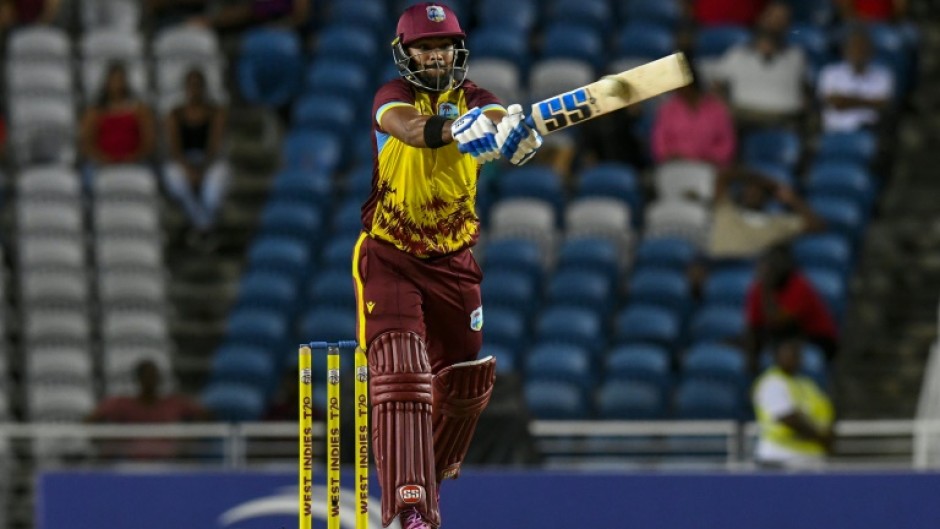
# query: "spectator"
{"type": "Point", "coordinates": [25, 12]}
{"type": "Point", "coordinates": [119, 128]}
{"type": "Point", "coordinates": [724, 12]}
{"type": "Point", "coordinates": [742, 228]}
{"type": "Point", "coordinates": [694, 125]}
{"type": "Point", "coordinates": [872, 10]}
{"type": "Point", "coordinates": [148, 406]}
{"type": "Point", "coordinates": [783, 302]}
{"type": "Point", "coordinates": [765, 80]}
{"type": "Point", "coordinates": [855, 92]}
{"type": "Point", "coordinates": [612, 138]}
{"type": "Point", "coordinates": [794, 414]}
{"type": "Point", "coordinates": [196, 176]}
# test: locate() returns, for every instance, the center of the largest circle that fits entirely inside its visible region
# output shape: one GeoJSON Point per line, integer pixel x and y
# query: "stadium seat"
{"type": "Point", "coordinates": [664, 13]}
{"type": "Point", "coordinates": [261, 327]}
{"type": "Point", "coordinates": [612, 180]}
{"type": "Point", "coordinates": [270, 66]}
{"type": "Point", "coordinates": [549, 77]}
{"type": "Point", "coordinates": [684, 220]}
{"type": "Point", "coordinates": [42, 131]}
{"type": "Point", "coordinates": [267, 290]}
{"type": "Point", "coordinates": [586, 13]}
{"type": "Point", "coordinates": [58, 403]}
{"type": "Point", "coordinates": [712, 42]}
{"type": "Point", "coordinates": [499, 76]}
{"type": "Point", "coordinates": [494, 42]}
{"type": "Point", "coordinates": [504, 327]}
{"type": "Point", "coordinates": [639, 324]}
{"type": "Point", "coordinates": [830, 285]}
{"type": "Point", "coordinates": [842, 216]}
{"type": "Point", "coordinates": [842, 180]}
{"type": "Point", "coordinates": [701, 399]}
{"type": "Point", "coordinates": [234, 402]}
{"type": "Point", "coordinates": [608, 218]}
{"type": "Point", "coordinates": [358, 182]}
{"type": "Point", "coordinates": [713, 361]}
{"type": "Point", "coordinates": [855, 147]}
{"type": "Point", "coordinates": [132, 290]}
{"type": "Point", "coordinates": [338, 252]}
{"type": "Point", "coordinates": [334, 288]}
{"type": "Point", "coordinates": [590, 254]}
{"type": "Point", "coordinates": [510, 288]}
{"type": "Point", "coordinates": [778, 173]}
{"type": "Point", "coordinates": [813, 12]}
{"type": "Point", "coordinates": [561, 362]}
{"type": "Point", "coordinates": [102, 47]}
{"type": "Point", "coordinates": [556, 400]}
{"type": "Point", "coordinates": [328, 323]}
{"type": "Point", "coordinates": [727, 288]}
{"type": "Point", "coordinates": [581, 288]}
{"type": "Point", "coordinates": [39, 80]}
{"type": "Point", "coordinates": [305, 186]}
{"type": "Point", "coordinates": [514, 254]}
{"type": "Point", "coordinates": [48, 183]}
{"type": "Point", "coordinates": [665, 252]}
{"type": "Point", "coordinates": [823, 251]}
{"type": "Point", "coordinates": [685, 180]}
{"type": "Point", "coordinates": [61, 365]}
{"type": "Point", "coordinates": [775, 146]}
{"type": "Point", "coordinates": [639, 362]}
{"type": "Point", "coordinates": [355, 44]}
{"type": "Point", "coordinates": [716, 324]}
{"type": "Point", "coordinates": [39, 44]}
{"type": "Point", "coordinates": [312, 151]}
{"type": "Point", "coordinates": [813, 41]}
{"type": "Point", "coordinates": [646, 42]}
{"type": "Point", "coordinates": [532, 181]}
{"type": "Point", "coordinates": [630, 400]}
{"type": "Point", "coordinates": [340, 77]}
{"type": "Point", "coordinates": [290, 219]}
{"type": "Point", "coordinates": [347, 219]}
{"type": "Point", "coordinates": [660, 288]}
{"type": "Point", "coordinates": [323, 112]}
{"type": "Point", "coordinates": [527, 218]}
{"type": "Point", "coordinates": [279, 254]}
{"type": "Point", "coordinates": [242, 364]}
{"type": "Point", "coordinates": [564, 41]}
{"type": "Point", "coordinates": [572, 326]}
{"type": "Point", "coordinates": [371, 15]}
{"type": "Point", "coordinates": [505, 358]}
{"type": "Point", "coordinates": [492, 14]}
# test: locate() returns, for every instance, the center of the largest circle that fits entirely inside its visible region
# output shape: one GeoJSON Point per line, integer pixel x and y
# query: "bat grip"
{"type": "Point", "coordinates": [530, 122]}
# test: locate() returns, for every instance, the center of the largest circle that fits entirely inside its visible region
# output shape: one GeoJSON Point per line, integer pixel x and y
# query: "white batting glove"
{"type": "Point", "coordinates": [517, 141]}
{"type": "Point", "coordinates": [475, 135]}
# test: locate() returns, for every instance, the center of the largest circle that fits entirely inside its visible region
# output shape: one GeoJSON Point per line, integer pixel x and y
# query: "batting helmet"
{"type": "Point", "coordinates": [429, 20]}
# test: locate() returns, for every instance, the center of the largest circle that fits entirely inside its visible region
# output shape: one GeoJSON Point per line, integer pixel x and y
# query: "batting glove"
{"type": "Point", "coordinates": [476, 135]}
{"type": "Point", "coordinates": [517, 141]}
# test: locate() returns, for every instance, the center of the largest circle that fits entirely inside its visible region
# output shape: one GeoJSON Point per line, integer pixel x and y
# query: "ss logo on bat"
{"type": "Point", "coordinates": [566, 109]}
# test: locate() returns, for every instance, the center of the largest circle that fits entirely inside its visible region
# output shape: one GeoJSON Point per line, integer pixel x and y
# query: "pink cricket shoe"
{"type": "Point", "coordinates": [411, 519]}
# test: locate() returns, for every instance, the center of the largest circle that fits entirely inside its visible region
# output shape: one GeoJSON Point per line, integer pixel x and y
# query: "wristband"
{"type": "Point", "coordinates": [433, 132]}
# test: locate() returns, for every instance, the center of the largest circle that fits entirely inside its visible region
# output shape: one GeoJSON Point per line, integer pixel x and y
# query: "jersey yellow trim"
{"type": "Point", "coordinates": [494, 106]}
{"type": "Point", "coordinates": [360, 292]}
{"type": "Point", "coordinates": [382, 109]}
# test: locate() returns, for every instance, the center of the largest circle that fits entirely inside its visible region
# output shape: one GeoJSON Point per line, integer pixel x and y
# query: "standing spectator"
{"type": "Point", "coordinates": [612, 138]}
{"type": "Point", "coordinates": [742, 229]}
{"type": "Point", "coordinates": [148, 406]}
{"type": "Point", "coordinates": [694, 125]}
{"type": "Point", "coordinates": [783, 302]}
{"type": "Point", "coordinates": [196, 176]}
{"type": "Point", "coordinates": [765, 80]}
{"type": "Point", "coordinates": [855, 92]}
{"type": "Point", "coordinates": [794, 414]}
{"type": "Point", "coordinates": [725, 12]}
{"type": "Point", "coordinates": [119, 127]}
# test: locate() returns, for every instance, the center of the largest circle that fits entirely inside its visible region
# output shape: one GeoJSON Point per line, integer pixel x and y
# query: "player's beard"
{"type": "Point", "coordinates": [440, 79]}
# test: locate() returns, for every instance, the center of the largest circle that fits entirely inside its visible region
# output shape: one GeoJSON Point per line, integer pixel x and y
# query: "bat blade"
{"type": "Point", "coordinates": [611, 93]}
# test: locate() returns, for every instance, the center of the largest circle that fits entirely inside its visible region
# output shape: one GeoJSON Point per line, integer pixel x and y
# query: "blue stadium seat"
{"type": "Point", "coordinates": [312, 151]}
{"type": "Point", "coordinates": [532, 181]}
{"type": "Point", "coordinates": [562, 41]}
{"type": "Point", "coordinates": [664, 13]}
{"type": "Point", "coordinates": [510, 288]}
{"type": "Point", "coordinates": [522, 255]}
{"type": "Point", "coordinates": [521, 20]}
{"type": "Point", "coordinates": [233, 402]}
{"type": "Point", "coordinates": [778, 173]}
{"type": "Point", "coordinates": [504, 327]}
{"type": "Point", "coordinates": [328, 323]}
{"type": "Point", "coordinates": [505, 358]}
{"type": "Point", "coordinates": [612, 180]}
{"type": "Point", "coordinates": [279, 254]}
{"type": "Point", "coordinates": [813, 41]}
{"type": "Point", "coordinates": [630, 400]}
{"type": "Point", "coordinates": [823, 251]}
{"type": "Point", "coordinates": [333, 288]}
{"type": "Point", "coordinates": [830, 286]}
{"type": "Point", "coordinates": [842, 216]}
{"type": "Point", "coordinates": [263, 328]}
{"type": "Point", "coordinates": [351, 43]}
{"type": "Point", "coordinates": [371, 15]}
{"type": "Point", "coordinates": [727, 288]}
{"type": "Point", "coordinates": [338, 252]}
{"type": "Point", "coordinates": [813, 12]}
{"type": "Point", "coordinates": [647, 42]}
{"type": "Point", "coordinates": [270, 66]}
{"type": "Point", "coordinates": [341, 77]}
{"type": "Point", "coordinates": [289, 219]}
{"type": "Point", "coordinates": [358, 182]}
{"type": "Point", "coordinates": [586, 13]}
{"type": "Point", "coordinates": [648, 363]}
{"type": "Point", "coordinates": [267, 290]}
{"type": "Point", "coordinates": [243, 364]}
{"type": "Point", "coordinates": [857, 147]}
{"type": "Point", "coordinates": [581, 288]}
{"type": "Point", "coordinates": [701, 399]}
{"type": "Point", "coordinates": [347, 219]}
{"type": "Point", "coordinates": [813, 363]}
{"type": "Point", "coordinates": [562, 362]}
{"type": "Point", "coordinates": [556, 400]}
{"type": "Point", "coordinates": [716, 324]}
{"type": "Point", "coordinates": [776, 146]}
{"type": "Point", "coordinates": [326, 112]}
{"type": "Point", "coordinates": [713, 361]}
{"type": "Point", "coordinates": [497, 43]}
{"type": "Point", "coordinates": [712, 42]}
{"type": "Point", "coordinates": [660, 288]}
{"type": "Point", "coordinates": [307, 187]}
{"type": "Point", "coordinates": [639, 324]}
{"type": "Point", "coordinates": [570, 325]}
{"type": "Point", "coordinates": [665, 252]}
{"type": "Point", "coordinates": [590, 253]}
{"type": "Point", "coordinates": [842, 180]}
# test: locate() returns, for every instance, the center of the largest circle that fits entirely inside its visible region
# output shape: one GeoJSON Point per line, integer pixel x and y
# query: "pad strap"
{"type": "Point", "coordinates": [461, 393]}
{"type": "Point", "coordinates": [400, 389]}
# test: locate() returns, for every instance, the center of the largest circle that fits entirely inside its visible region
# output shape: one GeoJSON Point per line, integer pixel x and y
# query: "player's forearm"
{"type": "Point", "coordinates": [413, 132]}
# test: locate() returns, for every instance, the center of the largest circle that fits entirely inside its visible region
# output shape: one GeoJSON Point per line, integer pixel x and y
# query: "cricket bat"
{"type": "Point", "coordinates": [610, 93]}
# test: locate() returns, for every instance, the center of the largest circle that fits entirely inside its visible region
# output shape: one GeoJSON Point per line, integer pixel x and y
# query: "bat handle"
{"type": "Point", "coordinates": [530, 122]}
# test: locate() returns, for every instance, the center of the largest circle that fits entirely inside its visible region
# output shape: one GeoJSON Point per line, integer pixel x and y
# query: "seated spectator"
{"type": "Point", "coordinates": [118, 128]}
{"type": "Point", "coordinates": [612, 138]}
{"type": "Point", "coordinates": [872, 10]}
{"type": "Point", "coordinates": [783, 302]}
{"type": "Point", "coordinates": [725, 12]}
{"type": "Point", "coordinates": [794, 414]}
{"type": "Point", "coordinates": [237, 16]}
{"type": "Point", "coordinates": [196, 176]}
{"type": "Point", "coordinates": [694, 125]}
{"type": "Point", "coordinates": [25, 12]}
{"type": "Point", "coordinates": [855, 92]}
{"type": "Point", "coordinates": [148, 406]}
{"type": "Point", "coordinates": [765, 80]}
{"type": "Point", "coordinates": [742, 228]}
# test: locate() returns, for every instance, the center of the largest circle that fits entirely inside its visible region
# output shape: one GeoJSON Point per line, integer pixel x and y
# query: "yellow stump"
{"type": "Point", "coordinates": [362, 439]}
{"type": "Point", "coordinates": [332, 438]}
{"type": "Point", "coordinates": [305, 435]}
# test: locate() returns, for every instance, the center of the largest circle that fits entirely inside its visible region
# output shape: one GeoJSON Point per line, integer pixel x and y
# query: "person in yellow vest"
{"type": "Point", "coordinates": [795, 416]}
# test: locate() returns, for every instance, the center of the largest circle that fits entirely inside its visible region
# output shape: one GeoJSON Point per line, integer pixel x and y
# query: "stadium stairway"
{"type": "Point", "coordinates": [889, 330]}
{"type": "Point", "coordinates": [204, 283]}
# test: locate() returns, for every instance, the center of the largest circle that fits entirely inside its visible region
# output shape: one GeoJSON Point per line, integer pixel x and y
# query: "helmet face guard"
{"type": "Point", "coordinates": [411, 69]}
